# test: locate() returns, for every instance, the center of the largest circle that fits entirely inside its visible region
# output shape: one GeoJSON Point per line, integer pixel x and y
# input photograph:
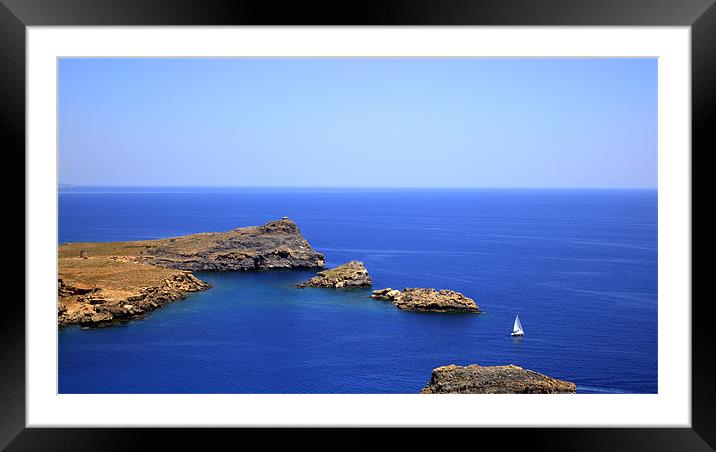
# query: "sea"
{"type": "Point", "coordinates": [579, 267]}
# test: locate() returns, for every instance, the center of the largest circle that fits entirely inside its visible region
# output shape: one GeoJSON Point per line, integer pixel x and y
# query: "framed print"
{"type": "Point", "coordinates": [407, 216]}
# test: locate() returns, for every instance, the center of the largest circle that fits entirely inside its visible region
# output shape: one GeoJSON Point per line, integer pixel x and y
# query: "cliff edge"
{"type": "Point", "coordinates": [276, 244]}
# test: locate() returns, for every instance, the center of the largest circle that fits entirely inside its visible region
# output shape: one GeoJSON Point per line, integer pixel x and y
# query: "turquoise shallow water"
{"type": "Point", "coordinates": [579, 267]}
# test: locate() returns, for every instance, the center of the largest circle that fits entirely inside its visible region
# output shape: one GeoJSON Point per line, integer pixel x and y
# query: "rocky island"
{"type": "Point", "coordinates": [351, 274]}
{"type": "Point", "coordinates": [427, 300]}
{"type": "Point", "coordinates": [510, 379]}
{"type": "Point", "coordinates": [102, 283]}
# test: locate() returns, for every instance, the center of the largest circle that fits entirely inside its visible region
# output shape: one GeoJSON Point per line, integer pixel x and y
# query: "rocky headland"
{"type": "Point", "coordinates": [103, 283]}
{"type": "Point", "coordinates": [348, 275]}
{"type": "Point", "coordinates": [427, 300]}
{"type": "Point", "coordinates": [474, 379]}
{"type": "Point", "coordinates": [276, 244]}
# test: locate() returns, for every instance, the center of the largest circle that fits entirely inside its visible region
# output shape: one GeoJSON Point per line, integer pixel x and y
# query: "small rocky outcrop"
{"type": "Point", "coordinates": [385, 294]}
{"type": "Point", "coordinates": [474, 379]}
{"type": "Point", "coordinates": [427, 300]}
{"type": "Point", "coordinates": [351, 274]}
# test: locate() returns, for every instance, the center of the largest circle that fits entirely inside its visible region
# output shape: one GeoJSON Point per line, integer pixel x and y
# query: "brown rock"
{"type": "Point", "coordinates": [474, 379]}
{"type": "Point", "coordinates": [107, 306]}
{"type": "Point", "coordinates": [431, 300]}
{"type": "Point", "coordinates": [385, 294]}
{"type": "Point", "coordinates": [348, 275]}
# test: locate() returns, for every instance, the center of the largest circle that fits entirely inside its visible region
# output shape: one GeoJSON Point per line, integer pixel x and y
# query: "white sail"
{"type": "Point", "coordinates": [518, 326]}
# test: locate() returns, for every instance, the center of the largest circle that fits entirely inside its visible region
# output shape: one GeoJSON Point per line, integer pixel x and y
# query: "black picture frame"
{"type": "Point", "coordinates": [16, 15]}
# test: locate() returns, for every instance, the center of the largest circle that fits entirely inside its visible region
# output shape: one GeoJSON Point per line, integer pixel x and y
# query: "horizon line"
{"type": "Point", "coordinates": [65, 185]}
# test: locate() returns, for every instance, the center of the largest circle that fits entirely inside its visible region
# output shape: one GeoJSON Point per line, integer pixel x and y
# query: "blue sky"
{"type": "Point", "coordinates": [358, 122]}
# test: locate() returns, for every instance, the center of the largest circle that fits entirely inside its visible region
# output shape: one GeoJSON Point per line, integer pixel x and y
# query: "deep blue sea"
{"type": "Point", "coordinates": [578, 266]}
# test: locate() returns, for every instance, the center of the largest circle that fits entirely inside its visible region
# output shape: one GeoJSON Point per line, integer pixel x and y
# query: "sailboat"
{"type": "Point", "coordinates": [517, 329]}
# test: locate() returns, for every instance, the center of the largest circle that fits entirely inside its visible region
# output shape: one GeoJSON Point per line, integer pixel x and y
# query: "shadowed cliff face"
{"type": "Point", "coordinates": [277, 244]}
{"type": "Point", "coordinates": [510, 379]}
{"type": "Point", "coordinates": [103, 283]}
